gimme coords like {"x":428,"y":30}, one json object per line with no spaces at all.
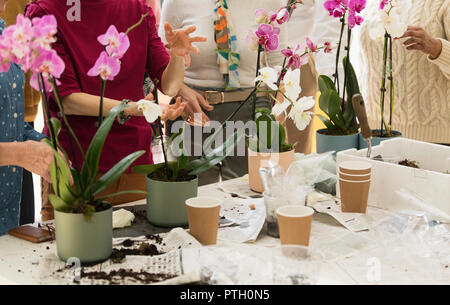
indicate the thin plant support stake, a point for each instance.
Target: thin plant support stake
{"x":383,"y":81}
{"x":391,"y":80}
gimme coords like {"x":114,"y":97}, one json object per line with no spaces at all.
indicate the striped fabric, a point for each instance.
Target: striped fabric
{"x":228,"y":57}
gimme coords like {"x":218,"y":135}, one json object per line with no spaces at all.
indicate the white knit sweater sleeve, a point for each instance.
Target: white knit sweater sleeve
{"x":443,"y":61}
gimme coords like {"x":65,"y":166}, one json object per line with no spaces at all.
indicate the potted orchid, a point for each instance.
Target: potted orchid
{"x":171,"y":183}
{"x":83,"y":221}
{"x":282,"y":84}
{"x":341,"y":130}
{"x":388,"y":24}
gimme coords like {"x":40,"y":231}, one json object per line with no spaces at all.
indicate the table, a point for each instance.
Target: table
{"x":350,"y":258}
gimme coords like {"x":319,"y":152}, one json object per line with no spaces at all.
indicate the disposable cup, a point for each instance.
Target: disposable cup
{"x":354,"y":177}
{"x":354,"y":195}
{"x":294,"y":222}
{"x":203,"y":217}
{"x":355,"y":167}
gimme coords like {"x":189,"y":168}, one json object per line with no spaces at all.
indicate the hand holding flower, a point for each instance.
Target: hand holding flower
{"x":180,"y":41}
{"x":419,"y":40}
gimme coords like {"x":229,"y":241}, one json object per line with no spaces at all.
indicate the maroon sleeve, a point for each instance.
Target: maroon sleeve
{"x":69,"y":82}
{"x":158,"y":57}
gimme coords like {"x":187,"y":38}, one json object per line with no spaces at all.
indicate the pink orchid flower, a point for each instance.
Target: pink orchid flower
{"x":282,"y":16}
{"x":336,"y":8}
{"x":295,"y":58}
{"x":6,"y":56}
{"x":328,"y":47}
{"x":106,"y":67}
{"x":354,"y":20}
{"x":44,"y":31}
{"x":116,"y":43}
{"x":49,"y":64}
{"x":357,"y":5}
{"x":311,"y":46}
{"x":383,"y":4}
{"x":268,"y":36}
{"x":47,"y":84}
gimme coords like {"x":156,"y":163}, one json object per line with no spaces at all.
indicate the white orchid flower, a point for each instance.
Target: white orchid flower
{"x":279,"y":108}
{"x":291,"y":83}
{"x":395,"y":23}
{"x":268,"y":76}
{"x":299,"y":112}
{"x":151,"y":110}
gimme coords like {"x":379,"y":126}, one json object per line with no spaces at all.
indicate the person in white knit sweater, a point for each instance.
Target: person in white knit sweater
{"x":421,"y":70}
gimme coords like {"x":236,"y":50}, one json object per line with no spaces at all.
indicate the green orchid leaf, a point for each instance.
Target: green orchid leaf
{"x":326,"y":83}
{"x":264,"y":120}
{"x":330,"y":126}
{"x":211,"y":160}
{"x":282,"y":135}
{"x":352,"y":88}
{"x":147,"y":169}
{"x":89,"y":170}
{"x":57,"y":203}
{"x":121,"y":193}
{"x":114,"y":173}
{"x":330,"y":103}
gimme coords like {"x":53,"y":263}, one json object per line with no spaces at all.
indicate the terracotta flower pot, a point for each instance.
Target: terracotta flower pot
{"x":257,"y":160}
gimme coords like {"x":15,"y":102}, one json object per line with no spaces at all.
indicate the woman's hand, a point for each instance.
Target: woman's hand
{"x":173,"y":111}
{"x":419,"y":40}
{"x":36,"y":157}
{"x":180,"y":43}
{"x":195,"y":102}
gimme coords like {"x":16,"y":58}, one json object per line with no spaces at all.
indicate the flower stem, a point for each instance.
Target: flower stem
{"x":383,"y":81}
{"x":72,"y":137}
{"x":336,"y":73}
{"x":100,"y":111}
{"x":391,"y":79}
{"x":137,"y":24}
{"x":160,"y":127}
{"x":258,"y":66}
{"x":346,"y":72}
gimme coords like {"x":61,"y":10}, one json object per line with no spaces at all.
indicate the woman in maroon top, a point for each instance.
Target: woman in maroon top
{"x":78,"y":46}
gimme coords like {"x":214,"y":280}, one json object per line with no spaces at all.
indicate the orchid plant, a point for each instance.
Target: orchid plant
{"x":182,"y":169}
{"x":28,"y":44}
{"x":389,"y":23}
{"x":283,"y":83}
{"x":334,"y":101}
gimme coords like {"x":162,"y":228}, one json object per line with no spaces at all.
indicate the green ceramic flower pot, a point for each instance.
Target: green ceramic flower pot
{"x":327,"y":142}
{"x":377,"y":140}
{"x":88,"y":239}
{"x":166,"y":201}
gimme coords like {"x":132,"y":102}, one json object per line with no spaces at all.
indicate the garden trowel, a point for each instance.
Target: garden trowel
{"x":360,"y":110}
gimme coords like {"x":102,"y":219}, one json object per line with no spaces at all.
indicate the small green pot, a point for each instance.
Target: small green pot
{"x":327,"y":143}
{"x":88,"y":239}
{"x":166,"y":201}
{"x":377,"y":140}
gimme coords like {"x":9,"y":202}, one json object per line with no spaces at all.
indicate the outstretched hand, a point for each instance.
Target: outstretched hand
{"x":173,"y":111}
{"x":180,"y":42}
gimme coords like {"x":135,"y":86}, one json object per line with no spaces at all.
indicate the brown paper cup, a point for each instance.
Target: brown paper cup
{"x":294,"y":222}
{"x":203,"y":217}
{"x":355,"y":177}
{"x":355,"y":167}
{"x":354,"y":195}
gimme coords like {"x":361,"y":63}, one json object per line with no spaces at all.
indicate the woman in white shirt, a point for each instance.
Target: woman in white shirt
{"x":205,"y":84}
